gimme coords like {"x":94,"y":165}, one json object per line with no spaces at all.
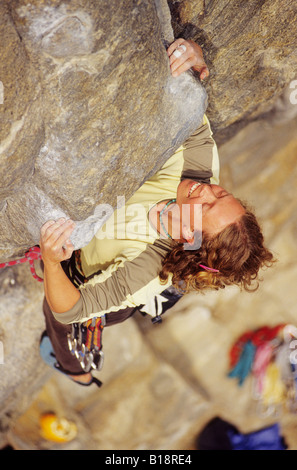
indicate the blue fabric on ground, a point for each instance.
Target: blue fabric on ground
{"x":265,"y":439}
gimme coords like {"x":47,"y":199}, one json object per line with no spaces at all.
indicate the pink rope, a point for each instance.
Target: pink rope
{"x":31,"y":255}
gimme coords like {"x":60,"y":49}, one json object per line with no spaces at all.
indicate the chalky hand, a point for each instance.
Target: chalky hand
{"x":55,"y":244}
{"x":184,"y":55}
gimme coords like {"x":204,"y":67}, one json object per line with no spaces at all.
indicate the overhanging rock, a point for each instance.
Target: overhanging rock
{"x":90,"y":111}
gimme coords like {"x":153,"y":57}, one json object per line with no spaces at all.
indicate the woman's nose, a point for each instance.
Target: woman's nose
{"x":208,"y":194}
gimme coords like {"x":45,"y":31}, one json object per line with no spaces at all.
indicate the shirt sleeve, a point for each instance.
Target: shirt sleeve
{"x":133,"y":282}
{"x":201,"y":160}
{"x":131,"y":285}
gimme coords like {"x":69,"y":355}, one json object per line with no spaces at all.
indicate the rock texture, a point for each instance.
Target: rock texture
{"x":251,"y":52}
{"x":90,"y":111}
{"x":21,"y":326}
{"x":162,"y":383}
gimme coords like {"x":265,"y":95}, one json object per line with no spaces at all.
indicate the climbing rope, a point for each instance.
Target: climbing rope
{"x":31,"y":255}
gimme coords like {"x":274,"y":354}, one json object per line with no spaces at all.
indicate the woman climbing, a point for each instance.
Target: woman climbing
{"x":190,"y":234}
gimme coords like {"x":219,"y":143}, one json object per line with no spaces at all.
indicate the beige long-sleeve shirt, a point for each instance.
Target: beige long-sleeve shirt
{"x":127,"y":250}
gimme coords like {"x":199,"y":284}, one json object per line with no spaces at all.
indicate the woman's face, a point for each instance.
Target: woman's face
{"x":218,"y":207}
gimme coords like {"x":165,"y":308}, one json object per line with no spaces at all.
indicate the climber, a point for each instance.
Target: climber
{"x":120,"y":276}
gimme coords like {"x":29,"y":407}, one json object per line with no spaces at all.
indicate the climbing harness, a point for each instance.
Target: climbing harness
{"x":31,"y":255}
{"x":268,"y":354}
{"x":85,"y":339}
{"x":85,"y":343}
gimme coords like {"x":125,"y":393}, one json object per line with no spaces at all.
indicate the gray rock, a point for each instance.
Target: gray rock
{"x":250,"y":50}
{"x":91,"y":112}
{"x":22,"y":371}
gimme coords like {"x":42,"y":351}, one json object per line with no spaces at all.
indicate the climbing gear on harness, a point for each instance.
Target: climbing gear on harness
{"x":85,"y":339}
{"x":31,"y":255}
{"x":85,"y":343}
{"x":73,"y":270}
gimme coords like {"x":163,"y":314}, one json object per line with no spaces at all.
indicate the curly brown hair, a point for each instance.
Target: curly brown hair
{"x":238,"y":252}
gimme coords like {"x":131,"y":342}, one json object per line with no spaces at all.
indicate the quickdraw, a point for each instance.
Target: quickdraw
{"x":31,"y":255}
{"x":85,"y":343}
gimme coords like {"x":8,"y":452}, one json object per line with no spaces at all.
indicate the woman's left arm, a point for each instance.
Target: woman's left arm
{"x":56,"y":247}
{"x":185,"y":54}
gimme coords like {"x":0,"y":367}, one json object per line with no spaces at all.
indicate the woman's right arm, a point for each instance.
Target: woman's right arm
{"x":55,"y":247}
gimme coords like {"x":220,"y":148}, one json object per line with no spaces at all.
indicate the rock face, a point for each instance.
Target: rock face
{"x":151,"y":371}
{"x":251,"y":52}
{"x":22,"y":371}
{"x":89,"y":111}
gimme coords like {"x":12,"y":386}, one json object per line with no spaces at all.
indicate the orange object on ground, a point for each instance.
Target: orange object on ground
{"x":57,"y":429}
